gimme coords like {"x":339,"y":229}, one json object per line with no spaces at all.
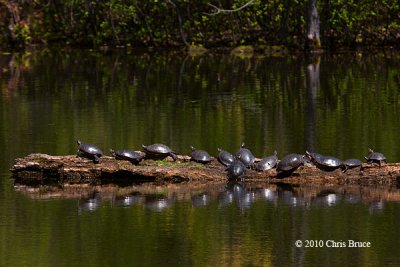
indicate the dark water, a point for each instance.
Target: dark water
{"x":334,"y":104}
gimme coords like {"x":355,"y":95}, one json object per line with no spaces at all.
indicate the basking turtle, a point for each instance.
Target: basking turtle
{"x":225,"y":158}
{"x":158,"y":151}
{"x":328,"y":163}
{"x":289,"y":164}
{"x":350,"y":164}
{"x":267,"y":163}
{"x":129,"y":155}
{"x":325,"y":163}
{"x":236,"y":169}
{"x":375,"y":157}
{"x":245,"y":155}
{"x":200,"y":156}
{"x":312,"y":155}
{"x":89,"y":151}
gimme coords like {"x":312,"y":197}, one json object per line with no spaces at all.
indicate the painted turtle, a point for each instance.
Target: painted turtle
{"x":129,"y":155}
{"x":350,"y":164}
{"x":289,"y":164}
{"x":225,"y":158}
{"x":312,"y":155}
{"x":89,"y":151}
{"x":200,"y":156}
{"x":236,"y":169}
{"x":245,"y":155}
{"x":267,"y":163}
{"x":159,"y":151}
{"x":375,"y":157}
{"x":325,"y":163}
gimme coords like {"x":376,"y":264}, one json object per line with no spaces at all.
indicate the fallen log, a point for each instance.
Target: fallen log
{"x":41,"y":169}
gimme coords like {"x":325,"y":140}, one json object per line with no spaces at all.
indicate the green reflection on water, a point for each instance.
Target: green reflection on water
{"x":123,"y":100}
{"x":54,"y":233}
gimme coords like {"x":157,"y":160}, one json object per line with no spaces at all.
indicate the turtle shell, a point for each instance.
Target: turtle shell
{"x":328,"y":163}
{"x":236,"y":170}
{"x":350,"y":164}
{"x":375,"y":157}
{"x":129,"y":155}
{"x":225,"y":158}
{"x":267,"y":163}
{"x":200,"y":156}
{"x":89,"y":151}
{"x":159,"y":150}
{"x":245,"y":155}
{"x":289,"y":164}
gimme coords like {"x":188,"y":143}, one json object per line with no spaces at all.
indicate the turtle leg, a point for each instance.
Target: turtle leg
{"x":345,"y":168}
{"x":96,"y":159}
{"x":173,"y":155}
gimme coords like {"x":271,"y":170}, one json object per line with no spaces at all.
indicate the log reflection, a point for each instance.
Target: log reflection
{"x":240,"y":194}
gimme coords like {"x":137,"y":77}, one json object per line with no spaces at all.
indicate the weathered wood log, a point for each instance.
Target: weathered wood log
{"x":39,"y":169}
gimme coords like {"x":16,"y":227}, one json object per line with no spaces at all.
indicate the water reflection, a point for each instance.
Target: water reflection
{"x":201,"y":200}
{"x":376,"y":206}
{"x":129,"y":200}
{"x":159,"y":203}
{"x":89,"y":204}
{"x":239,"y":194}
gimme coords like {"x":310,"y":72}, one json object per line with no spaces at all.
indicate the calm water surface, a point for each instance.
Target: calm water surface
{"x":334,"y":104}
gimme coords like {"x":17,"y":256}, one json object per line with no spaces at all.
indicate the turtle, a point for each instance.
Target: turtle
{"x":375,"y":157}
{"x":225,"y":158}
{"x":200,"y":156}
{"x":312,"y":155}
{"x":159,"y":151}
{"x":129,"y":155}
{"x":328,"y":163}
{"x":325,"y":163}
{"x":267,"y":163}
{"x":89,"y":151}
{"x":245,"y":155}
{"x":289,"y":164}
{"x":350,"y":164}
{"x":236,"y":169}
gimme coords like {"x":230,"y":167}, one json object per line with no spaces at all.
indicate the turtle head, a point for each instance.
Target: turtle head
{"x":219,"y":149}
{"x":370,"y":150}
{"x":144,"y":146}
{"x":308,"y":155}
{"x":192,"y":148}
{"x":112,"y":152}
{"x":78,"y":142}
{"x":242,"y":145}
{"x":275,"y":153}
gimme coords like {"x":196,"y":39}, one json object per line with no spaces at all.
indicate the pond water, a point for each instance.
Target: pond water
{"x":337,"y":104}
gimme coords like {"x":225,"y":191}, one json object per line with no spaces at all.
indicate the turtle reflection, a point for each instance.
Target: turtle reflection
{"x":201,"y":200}
{"x":129,"y":200}
{"x":158,"y":203}
{"x":89,"y":204}
{"x":236,"y":192}
{"x":243,"y":195}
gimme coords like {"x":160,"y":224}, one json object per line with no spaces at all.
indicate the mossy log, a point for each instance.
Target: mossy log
{"x":41,"y":169}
